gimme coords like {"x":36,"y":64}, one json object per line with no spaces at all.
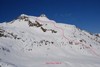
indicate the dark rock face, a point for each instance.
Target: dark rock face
{"x":1,"y":32}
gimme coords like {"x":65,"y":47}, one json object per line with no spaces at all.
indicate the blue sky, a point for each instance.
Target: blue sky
{"x":85,"y":14}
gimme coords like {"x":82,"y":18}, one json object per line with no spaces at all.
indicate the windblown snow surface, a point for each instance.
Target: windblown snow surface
{"x":30,"y":41}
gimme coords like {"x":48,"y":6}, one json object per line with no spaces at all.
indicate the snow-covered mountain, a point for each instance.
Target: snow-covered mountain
{"x":30,"y":41}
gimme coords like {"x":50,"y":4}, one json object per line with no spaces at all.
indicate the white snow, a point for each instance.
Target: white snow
{"x":58,"y":45}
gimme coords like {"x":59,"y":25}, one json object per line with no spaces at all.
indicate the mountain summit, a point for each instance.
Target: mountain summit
{"x":42,"y":15}
{"x":31,"y":41}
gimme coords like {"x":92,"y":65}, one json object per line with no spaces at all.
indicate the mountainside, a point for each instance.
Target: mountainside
{"x":30,"y":41}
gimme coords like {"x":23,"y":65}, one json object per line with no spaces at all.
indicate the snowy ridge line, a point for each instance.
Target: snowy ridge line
{"x":92,"y":49}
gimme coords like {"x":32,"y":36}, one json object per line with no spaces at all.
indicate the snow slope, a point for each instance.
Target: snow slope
{"x":31,"y":41}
